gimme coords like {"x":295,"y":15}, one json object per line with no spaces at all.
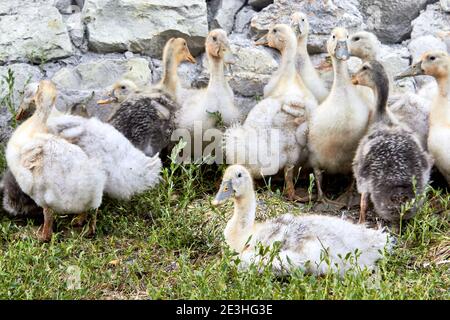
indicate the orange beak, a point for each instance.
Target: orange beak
{"x":263,"y":41}
{"x":355,"y":80}
{"x":190,"y":58}
{"x":107,"y":101}
{"x":21,"y":112}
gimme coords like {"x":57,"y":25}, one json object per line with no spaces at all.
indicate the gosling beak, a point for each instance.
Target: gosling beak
{"x":414,"y":70}
{"x":342,"y":50}
{"x":355,"y":80}
{"x":107,"y":101}
{"x":263,"y":41}
{"x":111,"y":99}
{"x":228,"y":57}
{"x":20,"y":115}
{"x":190,"y":58}
{"x":225,"y":192}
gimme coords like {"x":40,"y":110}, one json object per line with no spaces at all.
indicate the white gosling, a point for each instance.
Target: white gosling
{"x":57,"y":175}
{"x":129,"y":170}
{"x":437,"y":65}
{"x":273,"y":137}
{"x":304,"y":240}
{"x":337,"y":125}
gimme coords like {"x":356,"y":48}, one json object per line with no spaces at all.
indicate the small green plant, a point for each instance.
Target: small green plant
{"x":2,"y":159}
{"x":217,"y":116}
{"x":37,"y":57}
{"x":8,"y":99}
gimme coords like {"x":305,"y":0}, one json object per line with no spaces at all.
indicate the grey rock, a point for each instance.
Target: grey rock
{"x":76,"y":30}
{"x":253,"y":69}
{"x":422,"y":44}
{"x":32,"y":32}
{"x":224,"y":14}
{"x":324,"y":16}
{"x":23,"y":74}
{"x":245,"y":104}
{"x":445,"y":5}
{"x":66,"y":6}
{"x":391,"y":20}
{"x":102,"y":73}
{"x":243,"y":19}
{"x":143,"y":26}
{"x":259,"y":4}
{"x":431,"y":21}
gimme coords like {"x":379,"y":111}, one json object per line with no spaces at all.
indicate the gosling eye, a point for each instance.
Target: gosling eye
{"x":356,"y":39}
{"x":225,"y":189}
{"x":334,"y":37}
{"x":123,"y":87}
{"x":239,"y":175}
{"x":274,"y":30}
{"x":365,"y":68}
{"x":432,"y":58}
{"x":214,"y":38}
{"x":303,"y":19}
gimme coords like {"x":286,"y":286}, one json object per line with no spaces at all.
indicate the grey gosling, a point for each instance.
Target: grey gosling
{"x":390,"y":165}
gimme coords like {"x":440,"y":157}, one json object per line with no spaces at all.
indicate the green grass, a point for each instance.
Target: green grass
{"x":168,"y":244}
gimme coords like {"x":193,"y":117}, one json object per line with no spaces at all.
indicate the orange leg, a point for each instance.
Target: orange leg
{"x":364,"y":205}
{"x":47,"y":229}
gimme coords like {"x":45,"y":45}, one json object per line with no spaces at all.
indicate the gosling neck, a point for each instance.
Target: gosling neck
{"x":169,"y":79}
{"x":286,"y":73}
{"x":287,"y":66}
{"x":240,"y":226}
{"x":216,"y":72}
{"x":381,"y":92}
{"x":444,"y":85}
{"x":440,"y":110}
{"x":341,"y":75}
{"x":302,"y":53}
{"x":42,"y":113}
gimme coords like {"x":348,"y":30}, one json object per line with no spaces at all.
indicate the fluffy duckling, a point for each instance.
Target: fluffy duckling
{"x":390,"y":166}
{"x":15,"y":202}
{"x":218,"y":96}
{"x":410,"y":109}
{"x":437,"y":65}
{"x":273,"y":137}
{"x":145,"y":118}
{"x":337,"y":125}
{"x":129,"y":171}
{"x":309,"y":74}
{"x":303,"y":239}
{"x":56,"y":174}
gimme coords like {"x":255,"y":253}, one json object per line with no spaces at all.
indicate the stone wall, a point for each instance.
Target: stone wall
{"x":86,"y":45}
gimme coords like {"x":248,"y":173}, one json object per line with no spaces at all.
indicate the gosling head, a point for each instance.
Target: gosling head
{"x":364,"y":45}
{"x":218,"y":46}
{"x":278,"y":37}
{"x":432,"y":63}
{"x":28,"y":104}
{"x":371,"y":74}
{"x":177,"y":49}
{"x":337,"y":44}
{"x":44,"y":99}
{"x":119,"y":92}
{"x":236,"y":183}
{"x":300,"y":24}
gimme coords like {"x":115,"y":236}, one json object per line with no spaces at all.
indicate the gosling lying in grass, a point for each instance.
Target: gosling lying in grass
{"x":304,"y":240}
